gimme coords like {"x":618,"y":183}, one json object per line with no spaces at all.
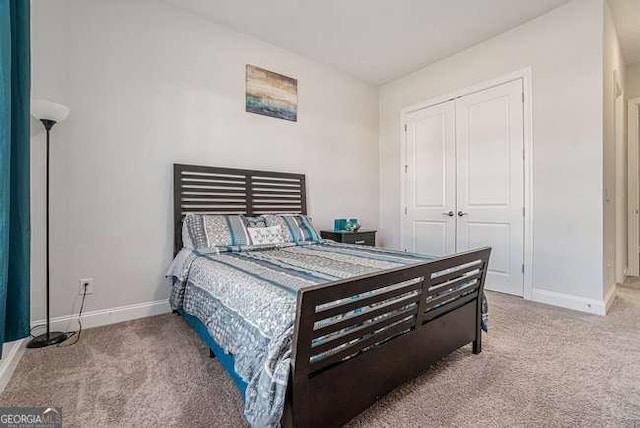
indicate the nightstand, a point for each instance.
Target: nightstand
{"x":361,"y":237}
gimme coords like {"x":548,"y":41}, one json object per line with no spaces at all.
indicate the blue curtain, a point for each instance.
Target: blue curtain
{"x":15,"y":228}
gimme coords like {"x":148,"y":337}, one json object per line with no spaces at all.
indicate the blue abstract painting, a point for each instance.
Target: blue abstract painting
{"x":271,"y":94}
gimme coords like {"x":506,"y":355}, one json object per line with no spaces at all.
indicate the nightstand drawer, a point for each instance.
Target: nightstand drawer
{"x":363,"y":238}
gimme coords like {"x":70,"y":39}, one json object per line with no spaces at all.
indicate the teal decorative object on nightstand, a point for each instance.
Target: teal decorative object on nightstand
{"x":352,"y":225}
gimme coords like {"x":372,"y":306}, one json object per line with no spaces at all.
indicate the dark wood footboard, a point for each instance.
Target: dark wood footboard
{"x":357,"y":339}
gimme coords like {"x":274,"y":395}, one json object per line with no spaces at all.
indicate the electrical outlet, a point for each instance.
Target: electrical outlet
{"x":88,"y":283}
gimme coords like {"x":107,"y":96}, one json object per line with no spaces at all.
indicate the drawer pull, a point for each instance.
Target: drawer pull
{"x":360,"y":242}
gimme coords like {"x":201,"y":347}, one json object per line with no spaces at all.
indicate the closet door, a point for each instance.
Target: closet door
{"x":490,"y":181}
{"x":429,"y":224}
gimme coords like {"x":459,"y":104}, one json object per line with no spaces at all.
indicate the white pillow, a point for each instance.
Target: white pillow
{"x":271,"y":235}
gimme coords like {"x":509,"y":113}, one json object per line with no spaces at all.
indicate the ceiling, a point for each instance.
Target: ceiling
{"x":374,"y":40}
{"x":626,"y":13}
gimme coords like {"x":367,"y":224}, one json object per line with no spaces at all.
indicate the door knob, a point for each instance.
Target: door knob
{"x":460,"y":214}
{"x":450,"y":214}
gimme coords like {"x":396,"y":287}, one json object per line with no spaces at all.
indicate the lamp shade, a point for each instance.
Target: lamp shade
{"x":48,"y":110}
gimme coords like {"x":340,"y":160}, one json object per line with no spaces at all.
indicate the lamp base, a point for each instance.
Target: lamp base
{"x":45,"y":339}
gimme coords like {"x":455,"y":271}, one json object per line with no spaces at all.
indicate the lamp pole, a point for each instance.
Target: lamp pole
{"x":48,"y":124}
{"x":48,"y":338}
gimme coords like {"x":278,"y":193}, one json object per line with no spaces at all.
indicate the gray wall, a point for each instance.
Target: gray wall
{"x":564,"y":50}
{"x":149,"y":85}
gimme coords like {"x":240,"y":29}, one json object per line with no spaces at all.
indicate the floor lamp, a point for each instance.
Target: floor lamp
{"x":49,"y":113}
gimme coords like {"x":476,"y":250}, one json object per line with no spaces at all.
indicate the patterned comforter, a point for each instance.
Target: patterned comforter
{"x":247,"y":301}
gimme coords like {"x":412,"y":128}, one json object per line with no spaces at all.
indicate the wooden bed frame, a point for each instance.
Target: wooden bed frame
{"x":419,"y":313}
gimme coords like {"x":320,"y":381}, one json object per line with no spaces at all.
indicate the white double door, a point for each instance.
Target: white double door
{"x":464,"y":181}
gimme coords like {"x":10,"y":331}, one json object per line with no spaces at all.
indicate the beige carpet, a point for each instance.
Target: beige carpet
{"x":541,"y":366}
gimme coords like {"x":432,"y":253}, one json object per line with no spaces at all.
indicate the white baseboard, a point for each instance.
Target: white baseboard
{"x":610,"y":298}
{"x":569,"y":301}
{"x":108,"y":316}
{"x":11,"y":354}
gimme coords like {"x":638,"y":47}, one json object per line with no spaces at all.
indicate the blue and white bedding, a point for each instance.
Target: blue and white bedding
{"x":247,"y":301}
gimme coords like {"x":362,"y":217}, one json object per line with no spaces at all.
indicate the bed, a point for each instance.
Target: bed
{"x":314,"y":332}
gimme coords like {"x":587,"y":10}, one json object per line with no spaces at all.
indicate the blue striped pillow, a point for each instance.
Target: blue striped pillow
{"x":296,"y":227}
{"x":214,"y":233}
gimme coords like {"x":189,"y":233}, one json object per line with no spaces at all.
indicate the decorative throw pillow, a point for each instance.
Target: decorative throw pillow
{"x":257,"y":221}
{"x":261,"y":236}
{"x":277,"y":220}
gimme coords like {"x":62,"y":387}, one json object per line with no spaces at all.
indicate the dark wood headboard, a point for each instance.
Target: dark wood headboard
{"x":213,"y":190}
